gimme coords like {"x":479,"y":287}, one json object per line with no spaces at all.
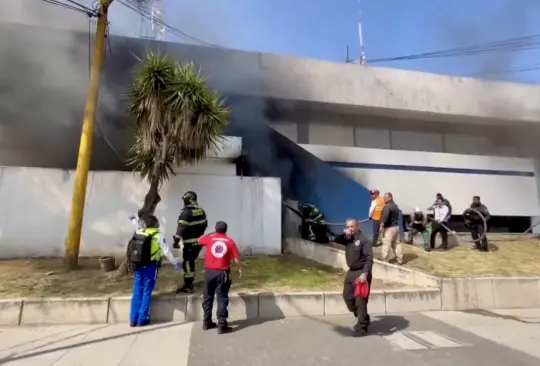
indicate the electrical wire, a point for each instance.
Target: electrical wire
{"x":134,"y":6}
{"x":518,"y":69}
{"x":80,"y":8}
{"x":524,"y":43}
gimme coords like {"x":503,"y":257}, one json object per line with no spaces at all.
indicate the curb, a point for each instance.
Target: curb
{"x":104,"y":310}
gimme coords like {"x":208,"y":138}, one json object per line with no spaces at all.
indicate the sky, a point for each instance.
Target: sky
{"x":323,"y":29}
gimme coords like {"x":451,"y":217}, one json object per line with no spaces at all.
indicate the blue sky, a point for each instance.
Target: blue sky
{"x":322,"y":29}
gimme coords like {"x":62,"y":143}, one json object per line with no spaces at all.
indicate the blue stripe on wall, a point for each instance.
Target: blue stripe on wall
{"x":416,"y":168}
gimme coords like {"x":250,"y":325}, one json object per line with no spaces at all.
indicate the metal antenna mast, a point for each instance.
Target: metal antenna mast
{"x":362,"y":60}
{"x":152,"y":19}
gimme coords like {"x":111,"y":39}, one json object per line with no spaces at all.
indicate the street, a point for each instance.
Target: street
{"x":497,"y":338}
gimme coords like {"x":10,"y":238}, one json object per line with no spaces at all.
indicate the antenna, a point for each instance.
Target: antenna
{"x":362,"y":60}
{"x":152,"y":19}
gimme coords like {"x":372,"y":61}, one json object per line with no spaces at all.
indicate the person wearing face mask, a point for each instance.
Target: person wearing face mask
{"x":475,"y":224}
{"x":359,"y":258}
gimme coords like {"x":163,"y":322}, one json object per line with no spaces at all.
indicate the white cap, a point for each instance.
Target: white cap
{"x":417,"y":209}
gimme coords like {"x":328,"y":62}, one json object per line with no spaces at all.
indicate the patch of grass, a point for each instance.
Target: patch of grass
{"x":505,"y":259}
{"x":47,"y":278}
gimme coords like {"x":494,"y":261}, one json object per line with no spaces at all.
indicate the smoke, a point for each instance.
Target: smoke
{"x":496,"y":22}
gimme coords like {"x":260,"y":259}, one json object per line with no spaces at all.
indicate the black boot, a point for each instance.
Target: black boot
{"x":209,"y":325}
{"x":187,"y":287}
{"x":223,"y":328}
{"x":360,"y":331}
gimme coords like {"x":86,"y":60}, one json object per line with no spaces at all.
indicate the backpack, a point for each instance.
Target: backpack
{"x":139,"y":251}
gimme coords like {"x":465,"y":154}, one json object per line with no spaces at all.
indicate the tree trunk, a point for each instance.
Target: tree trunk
{"x":151,"y":200}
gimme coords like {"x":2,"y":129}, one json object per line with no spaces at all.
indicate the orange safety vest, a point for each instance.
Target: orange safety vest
{"x":379,"y":205}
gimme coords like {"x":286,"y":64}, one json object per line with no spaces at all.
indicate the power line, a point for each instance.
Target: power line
{"x":509,"y":45}
{"x":518,"y":69}
{"x":75,"y":6}
{"x":132,"y":5}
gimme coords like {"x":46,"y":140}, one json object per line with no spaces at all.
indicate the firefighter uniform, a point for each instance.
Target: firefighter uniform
{"x":314,"y":225}
{"x":475,"y":224}
{"x":192,"y":224}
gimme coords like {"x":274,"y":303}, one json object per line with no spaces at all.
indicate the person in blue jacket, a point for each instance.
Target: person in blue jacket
{"x":146,"y":250}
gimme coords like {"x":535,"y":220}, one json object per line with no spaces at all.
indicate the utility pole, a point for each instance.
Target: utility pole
{"x":72,"y":244}
{"x":362,"y":59}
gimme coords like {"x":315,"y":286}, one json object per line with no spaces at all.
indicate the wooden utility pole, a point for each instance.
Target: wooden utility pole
{"x":71,"y":255}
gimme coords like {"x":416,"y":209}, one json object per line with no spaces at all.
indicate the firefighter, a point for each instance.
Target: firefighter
{"x":418,"y":224}
{"x":375,"y":210}
{"x":191,"y":226}
{"x":314,"y":225}
{"x":476,"y":225}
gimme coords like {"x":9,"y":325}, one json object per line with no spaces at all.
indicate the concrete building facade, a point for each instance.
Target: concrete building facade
{"x":330,"y":131}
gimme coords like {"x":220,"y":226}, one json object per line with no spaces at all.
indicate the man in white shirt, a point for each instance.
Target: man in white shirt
{"x":440,"y":218}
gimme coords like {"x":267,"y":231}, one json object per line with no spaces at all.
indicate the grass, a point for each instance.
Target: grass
{"x":505,"y":259}
{"x":46,"y":278}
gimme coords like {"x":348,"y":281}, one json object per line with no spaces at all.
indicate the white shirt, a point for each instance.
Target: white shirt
{"x":440,"y":213}
{"x":372,"y":207}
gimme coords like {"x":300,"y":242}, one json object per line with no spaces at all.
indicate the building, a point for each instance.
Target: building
{"x":330,"y":131}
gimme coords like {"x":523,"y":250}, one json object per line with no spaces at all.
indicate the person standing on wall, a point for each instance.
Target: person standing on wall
{"x":475,"y":224}
{"x":375,"y":211}
{"x":440,"y":224}
{"x":145,"y":251}
{"x":389,"y":229}
{"x":192,"y":224}
{"x":220,"y":249}
{"x":359,"y":257}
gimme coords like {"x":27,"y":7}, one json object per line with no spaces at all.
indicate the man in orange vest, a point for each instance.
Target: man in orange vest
{"x":375,"y":210}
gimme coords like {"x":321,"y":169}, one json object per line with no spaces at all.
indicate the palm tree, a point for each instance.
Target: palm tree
{"x":178,"y":120}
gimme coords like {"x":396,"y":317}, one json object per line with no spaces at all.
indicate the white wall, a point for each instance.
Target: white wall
{"x":504,"y":195}
{"x":34,"y":206}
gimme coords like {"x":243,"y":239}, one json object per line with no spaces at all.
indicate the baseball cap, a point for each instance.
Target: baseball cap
{"x":374,"y":191}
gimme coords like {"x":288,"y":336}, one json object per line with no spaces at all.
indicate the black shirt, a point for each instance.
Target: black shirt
{"x":358,"y":252}
{"x":390,"y":215}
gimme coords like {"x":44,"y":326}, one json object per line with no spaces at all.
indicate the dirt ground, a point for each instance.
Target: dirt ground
{"x":46,"y":278}
{"x":505,"y":259}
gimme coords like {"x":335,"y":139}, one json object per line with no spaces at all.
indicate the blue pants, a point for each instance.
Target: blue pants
{"x":143,"y":285}
{"x":216,"y":282}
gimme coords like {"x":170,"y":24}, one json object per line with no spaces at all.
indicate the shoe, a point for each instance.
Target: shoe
{"x":143,"y":323}
{"x":427,"y":249}
{"x":132,"y":325}
{"x":359,"y":331}
{"x":209,"y":325}
{"x":222,"y":329}
{"x":184,"y":289}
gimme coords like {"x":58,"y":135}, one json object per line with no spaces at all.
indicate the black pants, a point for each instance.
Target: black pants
{"x":356,"y":305}
{"x":375,"y":227}
{"x":190,"y":252}
{"x":477,"y":230}
{"x":438,"y":228}
{"x":216,"y":282}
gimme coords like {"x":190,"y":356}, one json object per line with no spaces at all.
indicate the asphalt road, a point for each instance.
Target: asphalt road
{"x":497,"y":338}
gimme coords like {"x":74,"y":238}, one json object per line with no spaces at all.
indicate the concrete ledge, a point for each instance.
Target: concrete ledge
{"x":180,"y":307}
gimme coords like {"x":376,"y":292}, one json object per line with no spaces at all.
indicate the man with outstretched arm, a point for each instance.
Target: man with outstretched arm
{"x":359,"y":257}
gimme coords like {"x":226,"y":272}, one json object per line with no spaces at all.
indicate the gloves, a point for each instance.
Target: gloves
{"x":176,"y":242}
{"x":177,"y":267}
{"x":132,"y":217}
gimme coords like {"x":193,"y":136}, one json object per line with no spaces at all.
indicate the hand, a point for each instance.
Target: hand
{"x":363,"y":278}
{"x":240,"y":271}
{"x":132,"y":217}
{"x":347,"y":232}
{"x":177,"y":267}
{"x":176,"y":242}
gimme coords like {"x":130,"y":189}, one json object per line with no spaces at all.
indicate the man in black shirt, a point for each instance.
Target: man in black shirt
{"x":359,"y":257}
{"x":475,"y":224}
{"x":389,"y":229}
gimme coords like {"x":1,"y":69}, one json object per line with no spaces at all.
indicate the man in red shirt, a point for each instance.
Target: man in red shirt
{"x":220,"y":249}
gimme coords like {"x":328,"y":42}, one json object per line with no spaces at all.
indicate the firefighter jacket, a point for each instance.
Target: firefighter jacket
{"x":192,"y":224}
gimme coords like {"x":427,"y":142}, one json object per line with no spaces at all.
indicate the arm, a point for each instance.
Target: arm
{"x":447,"y":203}
{"x":167,"y":252}
{"x":384,"y":216}
{"x":134,"y":221}
{"x":372,"y":208}
{"x":341,"y":239}
{"x":485,"y":212}
{"x":367,"y":252}
{"x":236,"y":257}
{"x":183,"y":221}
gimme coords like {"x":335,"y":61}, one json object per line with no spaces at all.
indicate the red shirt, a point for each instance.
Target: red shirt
{"x":220,"y":249}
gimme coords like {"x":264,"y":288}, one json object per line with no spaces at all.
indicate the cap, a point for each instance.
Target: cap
{"x":374,"y":191}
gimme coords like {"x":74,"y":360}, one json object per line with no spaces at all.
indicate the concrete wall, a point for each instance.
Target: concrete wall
{"x":34,"y":206}
{"x":507,"y":185}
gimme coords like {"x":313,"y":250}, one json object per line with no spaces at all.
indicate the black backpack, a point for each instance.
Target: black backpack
{"x":139,"y":251}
